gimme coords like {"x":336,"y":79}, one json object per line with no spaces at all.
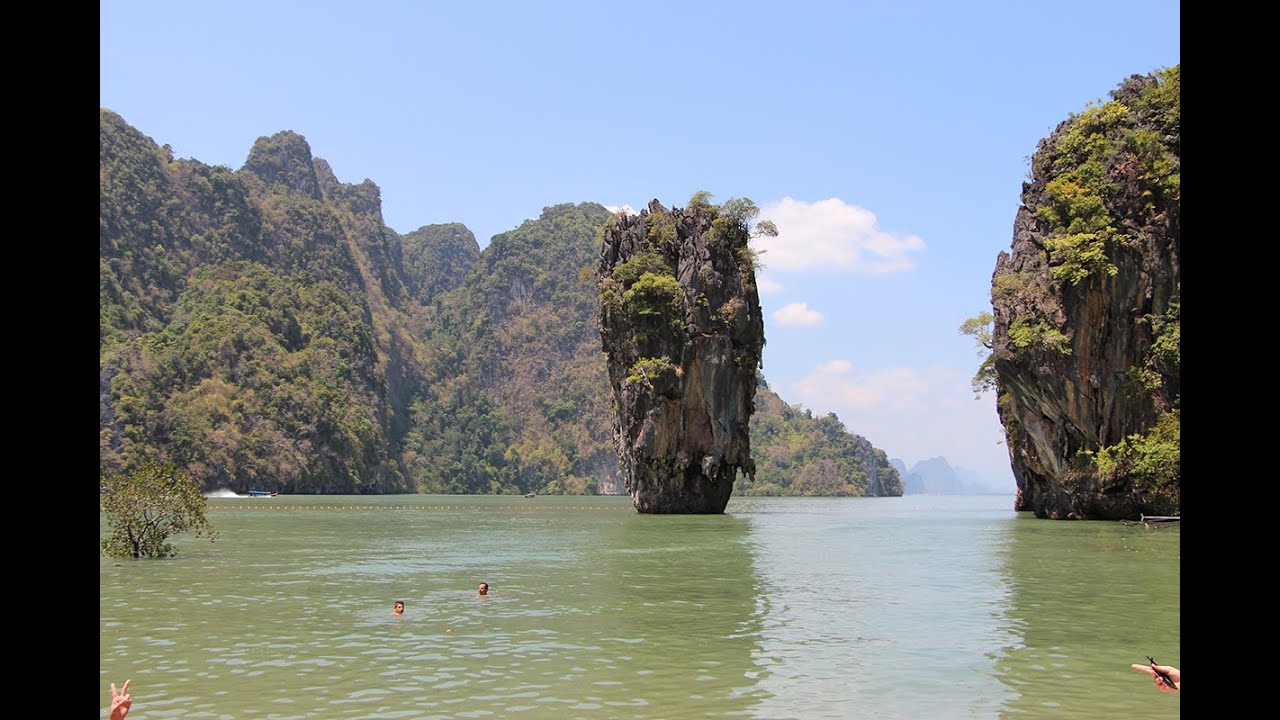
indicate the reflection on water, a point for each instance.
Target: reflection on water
{"x":1087,"y":600}
{"x":783,"y":608}
{"x":881,"y":607}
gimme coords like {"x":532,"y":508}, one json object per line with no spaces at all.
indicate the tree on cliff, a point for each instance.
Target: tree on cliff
{"x":742,"y":211}
{"x":979,"y":328}
{"x":147,"y":507}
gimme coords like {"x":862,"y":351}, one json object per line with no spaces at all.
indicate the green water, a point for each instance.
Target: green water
{"x":915,"y":607}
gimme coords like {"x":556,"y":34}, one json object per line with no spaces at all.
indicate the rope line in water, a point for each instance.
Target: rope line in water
{"x":517,"y":508}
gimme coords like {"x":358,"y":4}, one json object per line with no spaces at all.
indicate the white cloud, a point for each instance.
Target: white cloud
{"x":836,"y":367}
{"x":797,"y":314}
{"x":911,"y":413}
{"x":627,"y":209}
{"x":832,"y":234}
{"x":768,"y":285}
{"x":834,"y":384}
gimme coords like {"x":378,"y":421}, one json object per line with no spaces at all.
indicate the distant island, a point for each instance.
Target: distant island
{"x":936,"y":476}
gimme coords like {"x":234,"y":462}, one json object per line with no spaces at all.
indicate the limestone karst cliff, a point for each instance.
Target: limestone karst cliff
{"x":1086,"y":309}
{"x":682,"y":330}
{"x":263,"y":328}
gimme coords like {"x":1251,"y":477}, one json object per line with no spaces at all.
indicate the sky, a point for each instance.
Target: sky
{"x":887,"y":141}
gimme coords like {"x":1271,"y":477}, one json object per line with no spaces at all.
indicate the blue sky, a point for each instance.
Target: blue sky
{"x":888,"y":141}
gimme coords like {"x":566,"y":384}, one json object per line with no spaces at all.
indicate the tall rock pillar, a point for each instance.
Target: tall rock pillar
{"x":682,"y":329}
{"x":1087,"y":312}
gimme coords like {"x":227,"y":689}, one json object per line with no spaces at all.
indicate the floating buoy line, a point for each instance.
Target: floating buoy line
{"x":451,"y":508}
{"x":1155,"y":521}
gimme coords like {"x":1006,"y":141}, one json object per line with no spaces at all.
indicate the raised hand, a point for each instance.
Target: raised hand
{"x":120,"y":701}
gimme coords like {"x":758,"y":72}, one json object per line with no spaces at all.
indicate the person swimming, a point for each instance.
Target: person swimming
{"x":484,"y":589}
{"x":398,"y":608}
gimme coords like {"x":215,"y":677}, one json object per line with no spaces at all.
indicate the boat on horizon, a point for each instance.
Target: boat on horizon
{"x":263,"y":493}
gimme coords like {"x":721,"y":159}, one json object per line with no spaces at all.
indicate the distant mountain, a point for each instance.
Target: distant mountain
{"x":936,"y":476}
{"x":911,"y":484}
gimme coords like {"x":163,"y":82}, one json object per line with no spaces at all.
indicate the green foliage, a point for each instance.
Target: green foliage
{"x":797,"y":454}
{"x":514,"y":393}
{"x":730,"y":231}
{"x":740,"y":210}
{"x":1078,"y":256}
{"x":247,"y":331}
{"x":437,"y":259}
{"x":726,"y":314}
{"x":738,"y":224}
{"x":1164,"y":359}
{"x":645,"y":370}
{"x":1151,"y":462}
{"x":1156,"y":168}
{"x":979,"y":327}
{"x":701,"y":199}
{"x":744,"y":212}
{"x":1161,"y":104}
{"x":655,"y":303}
{"x":1078,"y":249}
{"x":1166,"y":350}
{"x":749,"y":262}
{"x":1117,"y":159}
{"x":160,"y":219}
{"x":1013,"y":286}
{"x":150,"y":505}
{"x":660,"y":231}
{"x":458,"y":445}
{"x":609,"y":290}
{"x":260,"y":380}
{"x":647,"y":262}
{"x":1028,"y":336}
{"x":653,"y":294}
{"x":733,"y":225}
{"x":1028,"y":333}
{"x":1085,"y":142}
{"x":765,"y":227}
{"x":985,"y":380}
{"x":283,"y":163}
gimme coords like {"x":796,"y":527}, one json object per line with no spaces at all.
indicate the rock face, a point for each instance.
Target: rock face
{"x":1086,"y":308}
{"x":683,"y":332}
